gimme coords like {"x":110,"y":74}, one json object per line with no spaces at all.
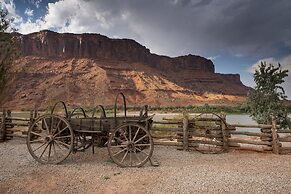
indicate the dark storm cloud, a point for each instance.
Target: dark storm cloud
{"x":260,"y":28}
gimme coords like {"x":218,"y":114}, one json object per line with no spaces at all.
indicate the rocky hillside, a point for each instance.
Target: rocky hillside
{"x":90,"y":69}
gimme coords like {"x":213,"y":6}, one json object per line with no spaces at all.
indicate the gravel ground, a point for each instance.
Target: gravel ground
{"x":179,"y":172}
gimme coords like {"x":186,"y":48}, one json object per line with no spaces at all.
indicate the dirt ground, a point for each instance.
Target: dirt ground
{"x":179,"y":172}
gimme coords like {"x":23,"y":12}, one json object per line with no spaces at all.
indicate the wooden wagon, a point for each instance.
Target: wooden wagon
{"x":52,"y":138}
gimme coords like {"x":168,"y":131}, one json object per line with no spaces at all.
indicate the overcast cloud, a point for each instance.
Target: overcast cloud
{"x":252,"y":29}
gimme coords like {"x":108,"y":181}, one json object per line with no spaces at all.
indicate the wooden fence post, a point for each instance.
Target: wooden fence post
{"x":224,"y":132}
{"x":185,"y":132}
{"x":3,"y":127}
{"x":275,"y":142}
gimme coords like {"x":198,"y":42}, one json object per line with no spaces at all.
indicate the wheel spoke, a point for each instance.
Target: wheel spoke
{"x":130,"y":158}
{"x":44,"y":151}
{"x":125,"y":136}
{"x":142,"y":151}
{"x":58,"y":145}
{"x":124,"y":156}
{"x":47,"y":128}
{"x":119,"y":152}
{"x":137,"y":156}
{"x":34,"y":133}
{"x":61,"y":131}
{"x":49,"y":154}
{"x":118,"y":139}
{"x":61,"y":137}
{"x":129,"y":128}
{"x":142,"y":145}
{"x":54,"y":148}
{"x":37,"y":140}
{"x":64,"y":144}
{"x":53,"y":133}
{"x":119,"y":146}
{"x":146,"y":135}
{"x":136,"y":134}
{"x":39,"y":147}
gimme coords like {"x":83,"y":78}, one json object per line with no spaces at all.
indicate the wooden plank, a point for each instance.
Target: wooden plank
{"x":16,"y":135}
{"x":237,"y":140}
{"x":254,"y":148}
{"x":285,"y":150}
{"x":205,"y":142}
{"x":275,"y":140}
{"x":167,"y":122}
{"x":213,"y":128}
{"x":185,"y":131}
{"x":253,"y":126}
{"x":168,"y":143}
{"x":17,"y":119}
{"x":158,"y":136}
{"x":250,"y":133}
{"x":224,"y":133}
{"x":285,"y":139}
{"x":165,"y":129}
{"x":19,"y":124}
{"x":284,"y":131}
{"x":266,"y":131}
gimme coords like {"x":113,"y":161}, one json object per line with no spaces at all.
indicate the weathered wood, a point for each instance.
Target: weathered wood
{"x":253,"y":148}
{"x":197,"y":134}
{"x":266,"y":139}
{"x":18,"y":119}
{"x":237,"y":140}
{"x":205,"y":142}
{"x":3,"y":127}
{"x":16,"y":135}
{"x":266,"y":131}
{"x":250,"y":133}
{"x":185,"y":131}
{"x":167,"y":122}
{"x":284,"y":131}
{"x":198,"y":127}
{"x":285,"y":139}
{"x":19,"y":124}
{"x":285,"y":150}
{"x":274,"y":136}
{"x":168,"y":143}
{"x":158,"y":136}
{"x":165,"y":129}
{"x":223,"y":130}
{"x":253,"y":126}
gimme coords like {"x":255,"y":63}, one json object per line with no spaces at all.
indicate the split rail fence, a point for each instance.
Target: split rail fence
{"x":207,"y":133}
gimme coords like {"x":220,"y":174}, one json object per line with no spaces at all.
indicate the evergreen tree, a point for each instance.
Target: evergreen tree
{"x":267,"y":98}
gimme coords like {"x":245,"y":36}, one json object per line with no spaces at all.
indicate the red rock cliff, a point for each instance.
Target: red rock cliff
{"x":90,"y":69}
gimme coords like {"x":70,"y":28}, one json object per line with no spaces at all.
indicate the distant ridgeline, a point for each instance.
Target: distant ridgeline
{"x":92,"y":68}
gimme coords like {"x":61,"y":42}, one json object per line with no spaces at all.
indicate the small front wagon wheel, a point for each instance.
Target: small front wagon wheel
{"x":130,"y":145}
{"x":50,"y":139}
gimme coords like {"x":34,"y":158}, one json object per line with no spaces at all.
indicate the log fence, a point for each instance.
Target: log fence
{"x":188,"y":133}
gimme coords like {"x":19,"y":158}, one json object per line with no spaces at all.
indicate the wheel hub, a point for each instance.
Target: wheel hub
{"x":49,"y":138}
{"x":131,"y":146}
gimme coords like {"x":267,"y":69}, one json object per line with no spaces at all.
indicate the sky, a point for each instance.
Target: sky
{"x":235,"y":34}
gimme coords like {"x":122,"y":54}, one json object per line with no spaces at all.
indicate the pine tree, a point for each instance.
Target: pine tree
{"x":267,"y":98}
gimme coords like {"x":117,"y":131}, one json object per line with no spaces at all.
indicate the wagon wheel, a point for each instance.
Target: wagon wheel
{"x":50,"y":139}
{"x":209,"y":140}
{"x":130,"y":145}
{"x":82,"y":141}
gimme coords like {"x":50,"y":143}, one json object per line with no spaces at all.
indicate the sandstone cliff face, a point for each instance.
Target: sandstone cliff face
{"x":90,"y":69}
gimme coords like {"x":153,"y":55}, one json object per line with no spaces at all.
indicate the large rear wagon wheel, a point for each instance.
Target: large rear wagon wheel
{"x":130,"y":145}
{"x":50,"y":139}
